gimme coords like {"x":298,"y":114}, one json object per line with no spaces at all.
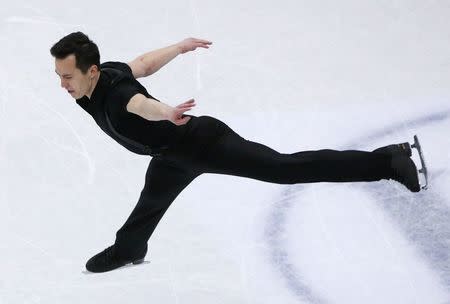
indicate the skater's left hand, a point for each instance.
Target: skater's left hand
{"x":176,"y":115}
{"x":190,"y":44}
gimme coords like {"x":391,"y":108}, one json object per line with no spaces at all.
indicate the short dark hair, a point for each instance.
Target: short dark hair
{"x":85,"y":50}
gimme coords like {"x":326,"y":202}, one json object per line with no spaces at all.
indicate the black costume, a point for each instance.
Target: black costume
{"x":203,"y":145}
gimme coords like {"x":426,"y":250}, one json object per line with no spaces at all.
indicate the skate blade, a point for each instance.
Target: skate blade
{"x":424,"y":169}
{"x":140,"y":261}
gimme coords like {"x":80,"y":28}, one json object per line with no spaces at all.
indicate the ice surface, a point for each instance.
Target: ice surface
{"x":294,"y":75}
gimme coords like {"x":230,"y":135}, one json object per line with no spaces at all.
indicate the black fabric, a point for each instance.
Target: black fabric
{"x":210,"y":146}
{"x":111,"y":95}
{"x":131,"y":144}
{"x":205,"y":145}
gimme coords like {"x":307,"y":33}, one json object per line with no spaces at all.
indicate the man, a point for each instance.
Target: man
{"x":186,"y":146}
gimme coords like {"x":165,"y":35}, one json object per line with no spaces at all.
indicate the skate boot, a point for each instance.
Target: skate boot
{"x":403,"y":148}
{"x":404,"y":171}
{"x":109,"y":260}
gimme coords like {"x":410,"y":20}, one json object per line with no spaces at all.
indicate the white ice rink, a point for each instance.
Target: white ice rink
{"x":294,"y":75}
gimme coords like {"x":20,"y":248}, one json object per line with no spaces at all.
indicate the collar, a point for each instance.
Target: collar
{"x":99,"y":91}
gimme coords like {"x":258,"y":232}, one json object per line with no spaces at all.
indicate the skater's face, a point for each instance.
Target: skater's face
{"x":73,"y":80}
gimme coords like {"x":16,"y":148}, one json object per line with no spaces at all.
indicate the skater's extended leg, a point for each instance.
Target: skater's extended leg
{"x":235,"y":155}
{"x":213,"y":147}
{"x":163,"y":183}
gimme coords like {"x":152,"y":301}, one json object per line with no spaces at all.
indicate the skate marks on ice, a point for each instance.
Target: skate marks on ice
{"x":35,"y":16}
{"x":423,"y":121}
{"x":81,"y":151}
{"x":193,"y":8}
{"x":424,"y":220}
{"x":36,"y":20}
{"x":426,"y":224}
{"x":275,"y":235}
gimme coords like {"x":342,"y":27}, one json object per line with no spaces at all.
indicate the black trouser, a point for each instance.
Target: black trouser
{"x":210,"y":146}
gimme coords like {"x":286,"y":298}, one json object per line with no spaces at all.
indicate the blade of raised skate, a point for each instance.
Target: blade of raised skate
{"x":424,"y":169}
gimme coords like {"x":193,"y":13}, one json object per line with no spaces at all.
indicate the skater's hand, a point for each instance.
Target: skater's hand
{"x":190,"y":44}
{"x":176,"y":114}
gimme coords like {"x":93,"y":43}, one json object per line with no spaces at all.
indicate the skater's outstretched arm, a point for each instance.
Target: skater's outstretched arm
{"x":151,"y":62}
{"x":152,"y":109}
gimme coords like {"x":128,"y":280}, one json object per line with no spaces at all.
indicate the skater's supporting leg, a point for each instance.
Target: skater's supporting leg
{"x":235,"y":155}
{"x":163,"y":183}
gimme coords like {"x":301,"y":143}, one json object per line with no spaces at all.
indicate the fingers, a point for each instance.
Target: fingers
{"x":188,"y":104}
{"x":180,"y":109}
{"x":182,"y":121}
{"x":204,"y":44}
{"x":195,"y":43}
{"x":202,"y":41}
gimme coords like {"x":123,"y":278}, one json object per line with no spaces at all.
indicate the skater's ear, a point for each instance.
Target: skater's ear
{"x":93,"y":71}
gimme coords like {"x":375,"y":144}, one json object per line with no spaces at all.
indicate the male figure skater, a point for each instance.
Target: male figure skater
{"x":185,"y":146}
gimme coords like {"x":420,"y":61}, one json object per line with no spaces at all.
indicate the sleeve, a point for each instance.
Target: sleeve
{"x":125,"y":90}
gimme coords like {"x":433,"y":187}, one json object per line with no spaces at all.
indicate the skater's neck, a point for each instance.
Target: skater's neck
{"x":93,"y":85}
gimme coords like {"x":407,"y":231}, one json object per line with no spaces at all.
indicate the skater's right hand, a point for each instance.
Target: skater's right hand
{"x":176,"y":114}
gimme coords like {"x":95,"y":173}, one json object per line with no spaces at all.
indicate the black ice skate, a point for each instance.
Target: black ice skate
{"x":403,"y":167}
{"x":108,"y":260}
{"x":405,"y":172}
{"x":403,"y":148}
